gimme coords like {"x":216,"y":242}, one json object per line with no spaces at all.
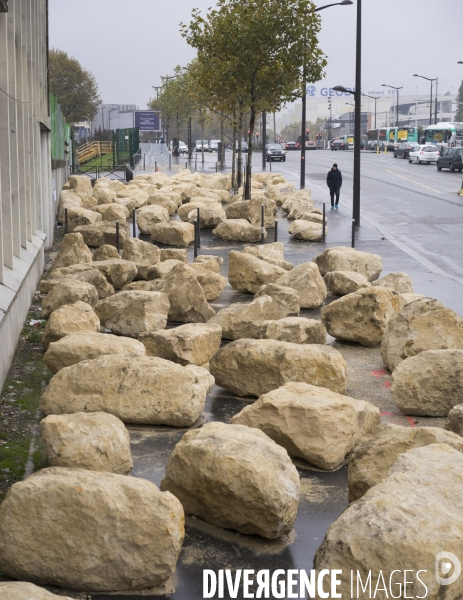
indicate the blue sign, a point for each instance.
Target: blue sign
{"x":311,"y":90}
{"x":147,"y":120}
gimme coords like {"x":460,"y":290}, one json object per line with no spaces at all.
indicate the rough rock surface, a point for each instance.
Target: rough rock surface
{"x":70,"y":318}
{"x":118,"y":272}
{"x":185,"y":210}
{"x":245,"y":320}
{"x":207,"y":258}
{"x":92,"y":276}
{"x":238,"y":230}
{"x":103,"y":233}
{"x":205,"y":266}
{"x":136,"y":389}
{"x":234,"y":477}
{"x":105,"y":252}
{"x":407,"y":298}
{"x":67,"y":199}
{"x":142,"y":254}
{"x":210,"y":216}
{"x":306,"y":280}
{"x":174,"y":254}
{"x":103,"y":195}
{"x":376,"y":452}
{"x":73,"y":251}
{"x":77,"y":347}
{"x":254,"y":367}
{"x":300,"y":209}
{"x":297,"y":330}
{"x":188,"y":303}
{"x":164,"y":200}
{"x":398,"y":282}
{"x":212,"y":284}
{"x":96,"y":531}
{"x":429,"y":384}
{"x":311,"y":422}
{"x":149,"y":216}
{"x":192,"y":343}
{"x":272,"y":253}
{"x":280,"y":191}
{"x":251,"y":210}
{"x":247,"y":273}
{"x":96,"y":441}
{"x":341,"y":283}
{"x":306,"y":230}
{"x":174,"y":233}
{"x":69,"y":291}
{"x":362,"y":316}
{"x":21,"y":590}
{"x":130,"y":313}
{"x":455,"y":420}
{"x":407,"y":520}
{"x":424,"y":324}
{"x":342,"y":258}
{"x":114,"y":212}
{"x":288,"y":297}
{"x":162,"y":269}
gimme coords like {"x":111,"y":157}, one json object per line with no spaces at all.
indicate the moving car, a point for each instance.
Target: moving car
{"x":274,"y":152}
{"x":310,"y":145}
{"x":200,"y":144}
{"x":182,"y":148}
{"x":338,"y":144}
{"x":403,"y":150}
{"x":214,"y":145}
{"x":424,"y":154}
{"x":451,"y":158}
{"x":291,"y":146}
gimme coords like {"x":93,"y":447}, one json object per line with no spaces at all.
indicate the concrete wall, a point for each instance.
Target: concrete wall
{"x":27,"y":205}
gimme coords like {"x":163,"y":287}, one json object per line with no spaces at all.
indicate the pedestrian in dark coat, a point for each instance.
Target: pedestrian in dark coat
{"x":334,"y":182}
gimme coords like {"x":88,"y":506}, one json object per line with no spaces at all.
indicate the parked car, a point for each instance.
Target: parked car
{"x":182,"y":148}
{"x":244,"y":146}
{"x":451,"y":158}
{"x":338,"y":144}
{"x":291,"y":146}
{"x":274,"y":152}
{"x":423,"y":154}
{"x":214,"y":145}
{"x":310,"y":145}
{"x":403,"y":150}
{"x":200,"y":144}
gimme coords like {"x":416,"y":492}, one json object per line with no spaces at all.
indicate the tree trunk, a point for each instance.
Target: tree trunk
{"x":222,"y":154}
{"x":239,"y":179}
{"x":234,"y":182}
{"x":202,"y":144}
{"x":247,"y":183}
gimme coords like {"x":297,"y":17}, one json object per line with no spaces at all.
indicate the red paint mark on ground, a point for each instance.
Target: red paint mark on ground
{"x":379,"y":373}
{"x":387,"y":413}
{"x":387,"y":384}
{"x":411,"y":421}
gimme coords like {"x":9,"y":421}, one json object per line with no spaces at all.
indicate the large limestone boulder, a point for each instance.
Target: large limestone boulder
{"x":151,"y":215}
{"x":76,"y":347}
{"x":238,"y":230}
{"x":300,"y":209}
{"x":117,"y":271}
{"x":245,"y":320}
{"x":280,"y":191}
{"x":103,"y":194}
{"x":454,"y":420}
{"x":97,"y":234}
{"x":207,"y":265}
{"x":185,"y":210}
{"x":210,"y":216}
{"x":399,"y":282}
{"x":96,"y":441}
{"x":424,"y":324}
{"x":306,"y":280}
{"x":362,"y":316}
{"x":130,"y":313}
{"x":164,"y":200}
{"x":136,"y":389}
{"x":212,"y":284}
{"x":174,"y":233}
{"x":407,"y":298}
{"x":271,"y":253}
{"x":162,"y":269}
{"x":81,"y":183}
{"x":138,"y":197}
{"x":376,"y":452}
{"x":297,"y":330}
{"x":306,"y":230}
{"x":174,"y":254}
{"x":401,"y":524}
{"x":287,"y":297}
{"x":142,"y":254}
{"x":207,"y":258}
{"x":68,"y":291}
{"x":105,"y":252}
{"x":234,"y":477}
{"x":114,"y":212}
{"x":73,"y":251}
{"x":311,"y":422}
{"x":254,"y":367}
{"x":247,"y":273}
{"x":429,"y":384}
{"x":21,"y":590}
{"x":188,"y":303}
{"x":218,"y":182}
{"x":96,"y":531}
{"x":67,"y":199}
{"x":341,"y":283}
{"x":70,"y":318}
{"x":192,"y":343}
{"x":341,"y":258}
{"x":92,"y":276}
{"x":251,"y":210}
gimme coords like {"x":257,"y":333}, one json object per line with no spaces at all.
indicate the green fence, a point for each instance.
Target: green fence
{"x":126,"y":145}
{"x":60,"y":131}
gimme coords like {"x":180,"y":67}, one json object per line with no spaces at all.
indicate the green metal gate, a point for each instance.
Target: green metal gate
{"x":126,"y":145}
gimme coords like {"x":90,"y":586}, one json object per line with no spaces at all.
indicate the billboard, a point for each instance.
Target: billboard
{"x":147,"y":120}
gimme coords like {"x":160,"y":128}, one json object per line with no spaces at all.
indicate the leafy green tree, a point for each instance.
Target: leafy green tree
{"x":257,"y":50}
{"x":74,"y":87}
{"x":459,"y":113}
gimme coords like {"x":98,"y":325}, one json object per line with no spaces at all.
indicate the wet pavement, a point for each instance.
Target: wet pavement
{"x":323,"y":494}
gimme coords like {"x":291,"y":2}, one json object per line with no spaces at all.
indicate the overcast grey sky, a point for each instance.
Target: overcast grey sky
{"x":129,"y":45}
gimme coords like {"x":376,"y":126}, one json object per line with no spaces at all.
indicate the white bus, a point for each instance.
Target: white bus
{"x":444,"y":135}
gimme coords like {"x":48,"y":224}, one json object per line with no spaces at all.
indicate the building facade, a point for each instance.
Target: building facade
{"x":31,"y":175}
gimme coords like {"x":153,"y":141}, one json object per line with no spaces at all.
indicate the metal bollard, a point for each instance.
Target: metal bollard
{"x":195,"y":247}
{"x":186,"y":165}
{"x":198,"y":219}
{"x":144,"y":155}
{"x":196,"y":161}
{"x":65,"y":221}
{"x":323,"y":226}
{"x":134,"y":226}
{"x":155,"y":166}
{"x":117,"y":236}
{"x":216,"y":164}
{"x":262,"y":221}
{"x":270,"y":163}
{"x":353,"y":233}
{"x":170,"y":161}
{"x":276,"y":231}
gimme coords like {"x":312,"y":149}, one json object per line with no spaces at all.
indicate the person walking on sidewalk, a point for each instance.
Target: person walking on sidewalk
{"x":334,"y":182}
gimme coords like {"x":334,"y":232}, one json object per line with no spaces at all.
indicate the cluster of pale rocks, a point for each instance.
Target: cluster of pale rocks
{"x":84,"y":523}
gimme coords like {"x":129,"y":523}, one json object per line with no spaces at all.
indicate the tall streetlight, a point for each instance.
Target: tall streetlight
{"x":304,"y":97}
{"x":397,"y":89}
{"x":430,"y":104}
{"x":375,"y":98}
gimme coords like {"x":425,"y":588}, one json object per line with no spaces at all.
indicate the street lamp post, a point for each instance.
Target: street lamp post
{"x":430,"y":105}
{"x":397,"y":90}
{"x":304,"y":97}
{"x":375,"y":98}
